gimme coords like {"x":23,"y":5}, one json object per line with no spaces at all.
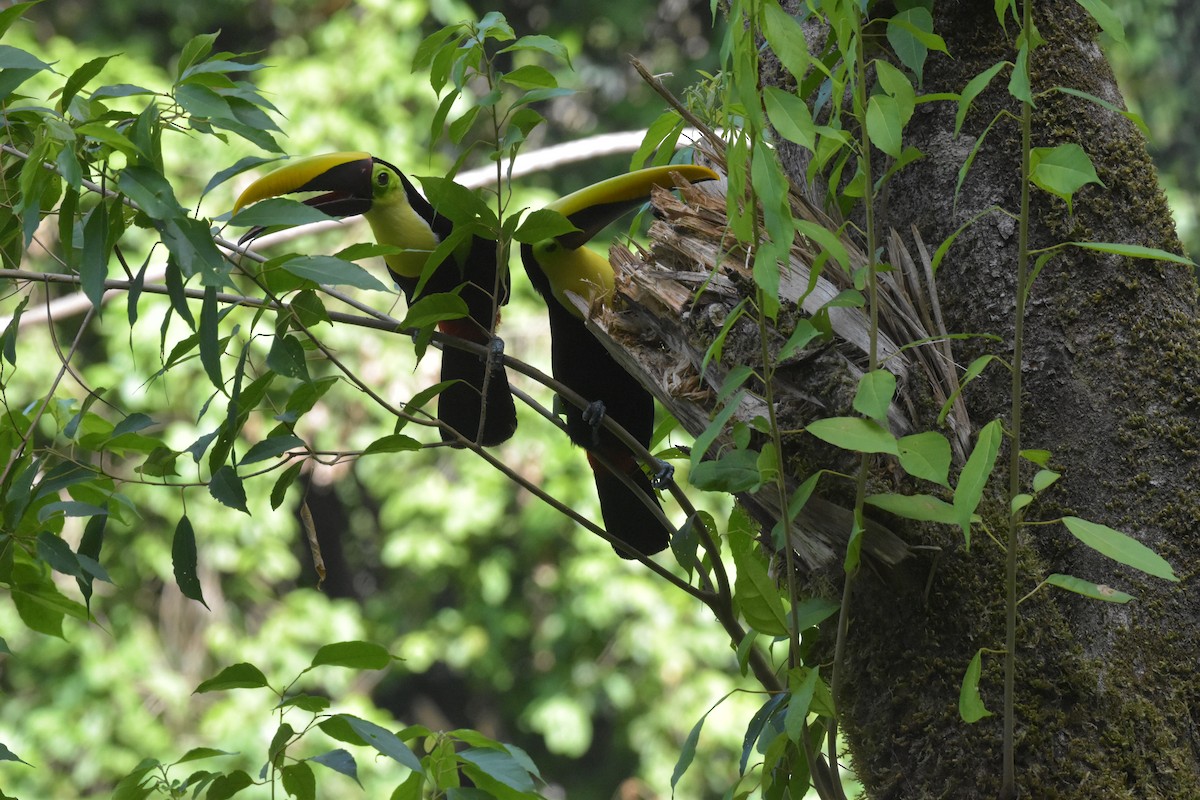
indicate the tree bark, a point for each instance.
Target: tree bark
{"x":1108,"y":696}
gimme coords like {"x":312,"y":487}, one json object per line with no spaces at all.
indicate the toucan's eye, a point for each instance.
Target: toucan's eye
{"x":382,"y":178}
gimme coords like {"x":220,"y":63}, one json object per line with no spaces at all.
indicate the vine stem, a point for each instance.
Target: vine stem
{"x":843,"y":628}
{"x":1008,"y":784}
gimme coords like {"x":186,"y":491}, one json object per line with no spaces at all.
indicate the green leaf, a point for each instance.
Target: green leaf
{"x":687,"y":753}
{"x":58,"y":554}
{"x":395,"y":443}
{"x":733,"y":472}
{"x":1044,"y":479}
{"x":923,"y":507}
{"x":910,"y":33}
{"x":975,"y":474}
{"x":874,"y":395}
{"x":1018,"y":82}
{"x":328,"y":270}
{"x":287,"y":357}
{"x":970,"y":704}
{"x":1061,"y":170}
{"x":884,"y":126}
{"x":800,"y":699}
{"x":352,"y":655}
{"x":237,"y":676}
{"x":210,"y":344}
{"x":385,"y":742}
{"x":854,"y":433}
{"x":298,"y":781}
{"x":827,"y":240}
{"x":277,"y":211}
{"x":434,"y":308}
{"x":804,"y":333}
{"x":1135,"y":118}
{"x":974,"y":87}
{"x":15,"y":58}
{"x":279,"y":490}
{"x":200,"y":753}
{"x":926,"y":455}
{"x":1120,"y":547}
{"x":786,"y":37}
{"x":1108,"y":21}
{"x":1134,"y":251}
{"x":542,"y":224}
{"x":226,"y":488}
{"x":183,"y":560}
{"x":790,"y":117}
{"x":226,"y":786}
{"x":546,"y":44}
{"x":80,"y":78}
{"x":756,"y":595}
{"x":151,"y":191}
{"x":272,"y":447}
{"x":1096,"y":591}
{"x":9,"y":755}
{"x":339,"y":761}
{"x":194,"y":51}
{"x":530,"y":76}
{"x":13,"y":13}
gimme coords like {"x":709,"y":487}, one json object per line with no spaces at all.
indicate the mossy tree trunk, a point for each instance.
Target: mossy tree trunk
{"x":1108,"y":696}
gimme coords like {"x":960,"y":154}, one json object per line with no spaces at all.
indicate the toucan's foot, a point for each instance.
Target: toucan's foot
{"x":593,"y":415}
{"x":664,"y":474}
{"x":495,"y":356}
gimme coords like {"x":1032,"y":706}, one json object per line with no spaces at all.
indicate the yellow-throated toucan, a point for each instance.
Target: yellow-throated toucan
{"x":358,"y":183}
{"x":563,"y":264}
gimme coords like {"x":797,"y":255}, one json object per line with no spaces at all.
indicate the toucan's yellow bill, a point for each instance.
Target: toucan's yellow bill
{"x":592,"y":208}
{"x":297,"y":175}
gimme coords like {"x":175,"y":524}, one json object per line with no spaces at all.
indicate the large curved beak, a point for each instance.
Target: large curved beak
{"x":594,"y":207}
{"x":345,"y":179}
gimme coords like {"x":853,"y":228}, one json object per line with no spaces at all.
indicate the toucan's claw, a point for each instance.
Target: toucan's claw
{"x":594,"y":415}
{"x":495,"y":356}
{"x":664,"y":474}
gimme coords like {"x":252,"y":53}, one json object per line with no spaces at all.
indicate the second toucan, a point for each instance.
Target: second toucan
{"x":564,"y":264}
{"x":478,"y":403}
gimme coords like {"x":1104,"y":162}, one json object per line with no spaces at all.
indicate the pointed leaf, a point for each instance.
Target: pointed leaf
{"x":237,"y":676}
{"x":332,"y":271}
{"x":354,"y":655}
{"x":970,"y":704}
{"x":385,"y":742}
{"x":339,"y":761}
{"x":183,"y":559}
{"x":1120,"y":547}
{"x":854,"y":433}
{"x":874,"y":395}
{"x":226,"y":488}
{"x":1096,"y":591}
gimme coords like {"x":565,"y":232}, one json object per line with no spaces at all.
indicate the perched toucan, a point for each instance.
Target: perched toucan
{"x":358,"y":183}
{"x":563,"y":264}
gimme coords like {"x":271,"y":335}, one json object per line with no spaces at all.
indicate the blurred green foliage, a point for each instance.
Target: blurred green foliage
{"x":507,"y":617}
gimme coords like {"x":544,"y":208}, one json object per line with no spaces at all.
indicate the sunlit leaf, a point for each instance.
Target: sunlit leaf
{"x":236,"y":676}
{"x":1120,"y":547}
{"x":854,"y":433}
{"x":970,"y":704}
{"x":1096,"y":591}
{"x":353,"y":655}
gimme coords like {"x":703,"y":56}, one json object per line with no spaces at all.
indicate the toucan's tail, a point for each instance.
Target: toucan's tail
{"x":464,"y":403}
{"x":626,"y":515}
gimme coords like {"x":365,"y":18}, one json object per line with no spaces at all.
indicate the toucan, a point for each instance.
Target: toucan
{"x":478,"y":404}
{"x":563,"y":264}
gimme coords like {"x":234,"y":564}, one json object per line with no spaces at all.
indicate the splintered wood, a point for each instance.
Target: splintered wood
{"x":673,"y":301}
